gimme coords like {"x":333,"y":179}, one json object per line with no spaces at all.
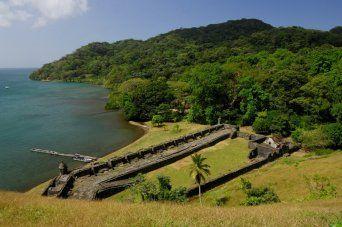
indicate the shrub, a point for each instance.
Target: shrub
{"x":262,"y":195}
{"x":325,"y":136}
{"x":334,"y":134}
{"x":145,"y":190}
{"x":176,"y":128}
{"x":262,"y":124}
{"x":164,"y":187}
{"x":178,"y":194}
{"x":157,"y":120}
{"x":176,"y":116}
{"x":272,"y":122}
{"x":320,"y":187}
{"x":164,"y":110}
{"x":316,"y":138}
{"x":336,"y":111}
{"x":297,"y":135}
{"x":304,"y":122}
{"x":245,"y":184}
{"x":162,"y":191}
{"x":196,"y":114}
{"x":320,"y":152}
{"x":257,"y":196}
{"x":221,"y":201}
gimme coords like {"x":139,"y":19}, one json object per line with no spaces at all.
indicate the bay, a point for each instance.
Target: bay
{"x":65,"y":117}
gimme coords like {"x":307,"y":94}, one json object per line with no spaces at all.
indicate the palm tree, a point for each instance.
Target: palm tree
{"x":198,"y":170}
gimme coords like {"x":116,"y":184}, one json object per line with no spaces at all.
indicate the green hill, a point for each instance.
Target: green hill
{"x":170,"y":54}
{"x":245,"y":72}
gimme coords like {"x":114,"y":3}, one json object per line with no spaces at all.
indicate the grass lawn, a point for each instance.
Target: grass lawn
{"x":157,"y":135}
{"x":225,"y":156}
{"x":31,"y":210}
{"x":222,"y":158}
{"x":286,"y":176}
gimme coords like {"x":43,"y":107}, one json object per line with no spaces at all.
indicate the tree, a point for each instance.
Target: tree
{"x":198,"y":171}
{"x":211,"y":87}
{"x":157,"y":120}
{"x":140,"y":98}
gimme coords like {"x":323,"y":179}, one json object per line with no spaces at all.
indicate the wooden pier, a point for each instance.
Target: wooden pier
{"x":76,"y":157}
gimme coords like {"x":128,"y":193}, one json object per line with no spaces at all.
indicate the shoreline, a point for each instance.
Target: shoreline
{"x":140,"y":129}
{"x":139,"y":125}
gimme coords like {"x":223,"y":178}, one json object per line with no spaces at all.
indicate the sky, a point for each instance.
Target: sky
{"x":35,"y":32}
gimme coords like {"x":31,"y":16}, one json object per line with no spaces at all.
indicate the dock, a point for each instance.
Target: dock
{"x":76,"y":156}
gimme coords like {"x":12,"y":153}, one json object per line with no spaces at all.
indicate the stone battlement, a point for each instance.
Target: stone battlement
{"x":104,"y":179}
{"x":85,"y":182}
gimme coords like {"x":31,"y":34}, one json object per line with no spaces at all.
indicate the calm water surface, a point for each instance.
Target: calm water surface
{"x":66,"y":117}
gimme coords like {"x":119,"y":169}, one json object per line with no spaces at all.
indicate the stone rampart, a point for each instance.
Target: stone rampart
{"x":129,"y":157}
{"x":264,"y":154}
{"x":154,"y":157}
{"x":193,"y":191}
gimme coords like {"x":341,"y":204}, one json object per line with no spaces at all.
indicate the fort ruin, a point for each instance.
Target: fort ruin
{"x":101,"y":180}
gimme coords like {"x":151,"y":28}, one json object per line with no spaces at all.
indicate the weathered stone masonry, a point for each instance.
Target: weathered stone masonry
{"x":84,"y":183}
{"x":262,"y":154}
{"x":105,"y":179}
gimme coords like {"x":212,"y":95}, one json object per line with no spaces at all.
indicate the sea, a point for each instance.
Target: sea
{"x":58,"y":116}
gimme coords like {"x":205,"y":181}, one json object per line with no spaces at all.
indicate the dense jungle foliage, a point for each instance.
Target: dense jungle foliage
{"x":246,"y":72}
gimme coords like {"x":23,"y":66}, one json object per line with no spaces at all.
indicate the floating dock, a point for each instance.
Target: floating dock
{"x":76,"y":157}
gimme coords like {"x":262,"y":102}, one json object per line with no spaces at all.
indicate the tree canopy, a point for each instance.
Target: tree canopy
{"x":245,"y":72}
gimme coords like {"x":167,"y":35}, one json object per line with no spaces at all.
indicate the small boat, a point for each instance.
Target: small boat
{"x":83,"y":159}
{"x":7,"y":87}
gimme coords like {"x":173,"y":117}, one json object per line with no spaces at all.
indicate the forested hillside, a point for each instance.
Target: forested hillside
{"x":246,"y":72}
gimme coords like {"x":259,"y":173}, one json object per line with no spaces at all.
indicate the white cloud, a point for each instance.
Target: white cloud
{"x":8,"y":15}
{"x":42,"y":11}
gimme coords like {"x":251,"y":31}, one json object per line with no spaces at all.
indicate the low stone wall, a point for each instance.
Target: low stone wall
{"x":156,"y":164}
{"x":141,"y":154}
{"x":193,"y":191}
{"x":264,"y":152}
{"x":166,"y":160}
{"x":63,"y":193}
{"x":106,"y":190}
{"x":51,"y":184}
{"x":244,"y":135}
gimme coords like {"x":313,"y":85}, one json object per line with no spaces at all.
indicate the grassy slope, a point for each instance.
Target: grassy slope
{"x":286,"y":176}
{"x":20,"y":209}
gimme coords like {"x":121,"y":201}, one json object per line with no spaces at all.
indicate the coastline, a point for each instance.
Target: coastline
{"x":138,"y":130}
{"x":140,"y":125}
{"x":39,"y":187}
{"x":151,"y":136}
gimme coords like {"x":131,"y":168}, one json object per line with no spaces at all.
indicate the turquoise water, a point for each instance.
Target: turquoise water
{"x":66,"y":117}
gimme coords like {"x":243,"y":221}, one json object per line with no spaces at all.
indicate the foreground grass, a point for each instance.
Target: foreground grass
{"x":23,"y":210}
{"x":286,"y":176}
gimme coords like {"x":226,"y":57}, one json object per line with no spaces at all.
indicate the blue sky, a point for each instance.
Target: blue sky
{"x":34,"y":32}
